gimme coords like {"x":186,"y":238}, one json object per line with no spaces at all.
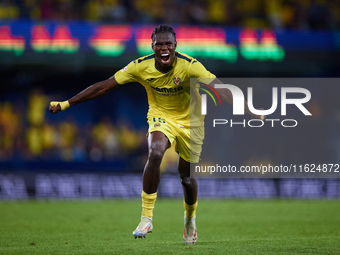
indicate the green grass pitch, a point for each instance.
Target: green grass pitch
{"x":224,"y":227}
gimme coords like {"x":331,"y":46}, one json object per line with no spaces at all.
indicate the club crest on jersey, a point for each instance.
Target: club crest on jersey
{"x":157,"y":125}
{"x":123,"y":69}
{"x":177,"y":80}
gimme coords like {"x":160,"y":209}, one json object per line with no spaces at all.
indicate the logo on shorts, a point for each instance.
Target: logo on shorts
{"x":157,"y":125}
{"x":177,"y":80}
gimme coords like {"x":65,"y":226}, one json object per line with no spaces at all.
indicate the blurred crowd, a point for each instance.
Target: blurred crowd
{"x":278,"y":14}
{"x":26,"y":134}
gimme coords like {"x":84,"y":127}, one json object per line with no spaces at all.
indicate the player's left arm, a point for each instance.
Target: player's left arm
{"x":227,"y":96}
{"x":197,"y":70}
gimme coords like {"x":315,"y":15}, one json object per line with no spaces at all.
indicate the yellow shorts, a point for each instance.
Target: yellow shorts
{"x":188,"y":149}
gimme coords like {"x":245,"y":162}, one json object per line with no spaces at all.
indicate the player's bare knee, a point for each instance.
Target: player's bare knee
{"x":155,"y":157}
{"x":185,"y":180}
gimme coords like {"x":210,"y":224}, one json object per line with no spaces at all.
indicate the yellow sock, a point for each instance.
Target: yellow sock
{"x":148,"y":203}
{"x":190,"y":210}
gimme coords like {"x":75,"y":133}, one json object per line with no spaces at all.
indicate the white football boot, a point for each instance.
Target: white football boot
{"x":143,"y":228}
{"x":190,"y":230}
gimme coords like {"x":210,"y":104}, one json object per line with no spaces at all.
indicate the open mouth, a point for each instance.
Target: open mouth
{"x":165,"y":57}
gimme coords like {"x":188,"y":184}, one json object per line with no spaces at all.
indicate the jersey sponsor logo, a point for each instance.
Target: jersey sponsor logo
{"x":157,"y":125}
{"x":166,"y":90}
{"x":177,"y":80}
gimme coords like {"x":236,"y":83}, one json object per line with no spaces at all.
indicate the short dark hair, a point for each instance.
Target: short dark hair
{"x":163,"y":28}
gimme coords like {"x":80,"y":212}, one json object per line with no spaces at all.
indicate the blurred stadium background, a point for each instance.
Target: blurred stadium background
{"x":52,"y":49}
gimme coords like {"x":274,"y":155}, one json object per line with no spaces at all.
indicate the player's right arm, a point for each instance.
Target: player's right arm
{"x":96,"y":90}
{"x":125,"y":75}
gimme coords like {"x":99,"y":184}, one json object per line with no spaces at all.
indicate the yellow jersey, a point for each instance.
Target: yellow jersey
{"x":169,"y":93}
